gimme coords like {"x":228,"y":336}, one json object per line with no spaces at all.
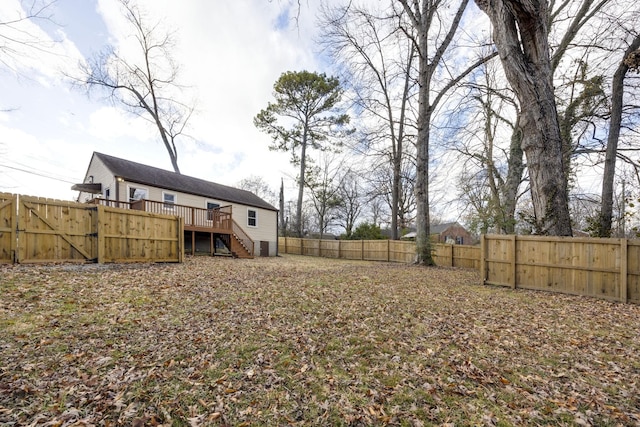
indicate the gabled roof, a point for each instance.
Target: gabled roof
{"x":149,"y":175}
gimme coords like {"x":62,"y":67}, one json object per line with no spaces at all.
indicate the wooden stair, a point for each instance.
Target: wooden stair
{"x":238,"y":249}
{"x":236,"y":246}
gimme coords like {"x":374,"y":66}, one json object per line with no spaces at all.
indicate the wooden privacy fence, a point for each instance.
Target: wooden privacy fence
{"x":380,"y":250}
{"x":601,"y":268}
{"x":40,"y":230}
{"x":594,"y":267}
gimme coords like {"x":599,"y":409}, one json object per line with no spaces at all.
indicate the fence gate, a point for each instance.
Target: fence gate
{"x":8,"y":227}
{"x":55,"y":231}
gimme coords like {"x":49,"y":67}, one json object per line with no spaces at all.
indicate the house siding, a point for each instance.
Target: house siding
{"x":453,"y":232}
{"x":101,"y":174}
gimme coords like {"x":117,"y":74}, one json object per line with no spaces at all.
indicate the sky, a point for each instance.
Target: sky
{"x":230,"y":54}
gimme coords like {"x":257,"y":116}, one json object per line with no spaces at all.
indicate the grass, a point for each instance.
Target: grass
{"x":306,"y":341}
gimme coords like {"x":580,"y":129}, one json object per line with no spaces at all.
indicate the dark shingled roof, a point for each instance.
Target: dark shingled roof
{"x":143,"y":174}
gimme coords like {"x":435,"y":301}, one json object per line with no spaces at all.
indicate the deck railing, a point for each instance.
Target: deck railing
{"x":110,"y":203}
{"x":218,"y":218}
{"x":246,"y":240}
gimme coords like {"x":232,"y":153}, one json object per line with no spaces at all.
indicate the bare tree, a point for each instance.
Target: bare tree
{"x":146,"y":85}
{"x":491,"y":111}
{"x":521,"y":37}
{"x":322,"y":182}
{"x":16,"y":41}
{"x":258,"y":186}
{"x":351,"y":198}
{"x":378,"y":60}
{"x":432,"y":31}
{"x":617,"y":92}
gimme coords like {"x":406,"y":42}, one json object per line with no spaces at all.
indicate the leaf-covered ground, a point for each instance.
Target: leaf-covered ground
{"x":306,"y":341}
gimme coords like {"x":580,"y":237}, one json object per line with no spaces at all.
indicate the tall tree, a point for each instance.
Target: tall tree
{"x":432,"y":31}
{"x":378,"y":58}
{"x":630,"y":59}
{"x":520,"y":33}
{"x":146,"y":85}
{"x":305,"y":115}
{"x":283,"y":221}
{"x":489,"y":162}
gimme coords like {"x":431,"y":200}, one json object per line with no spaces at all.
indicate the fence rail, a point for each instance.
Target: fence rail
{"x":41,"y":230}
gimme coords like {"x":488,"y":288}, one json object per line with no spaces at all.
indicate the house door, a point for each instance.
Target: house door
{"x":264,"y":248}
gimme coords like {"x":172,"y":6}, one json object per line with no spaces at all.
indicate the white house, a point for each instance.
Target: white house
{"x":217,"y":218}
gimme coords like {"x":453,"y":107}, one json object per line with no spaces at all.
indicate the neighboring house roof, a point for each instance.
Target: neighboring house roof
{"x":434,"y":229}
{"x":439,"y":228}
{"x":149,"y":175}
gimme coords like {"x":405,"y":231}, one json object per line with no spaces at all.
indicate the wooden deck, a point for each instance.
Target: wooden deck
{"x":215,"y":222}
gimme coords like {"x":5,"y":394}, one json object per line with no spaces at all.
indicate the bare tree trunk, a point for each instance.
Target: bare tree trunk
{"x":617,"y":92}
{"x":397,"y":160}
{"x":421,"y":18}
{"x":521,"y":37}
{"x":303,"y":165}
{"x":283,"y":224}
{"x":513,"y":180}
{"x":423,"y":221}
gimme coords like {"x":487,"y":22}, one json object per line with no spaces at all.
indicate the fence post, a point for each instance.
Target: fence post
{"x":301,"y":246}
{"x":624,"y":293}
{"x":181,"y":240}
{"x":483,"y":255}
{"x":452,"y":263}
{"x":100,"y":234}
{"x":339,"y":248}
{"x":362,"y":250}
{"x":388,"y":250}
{"x":14,"y":246}
{"x":513,"y":261}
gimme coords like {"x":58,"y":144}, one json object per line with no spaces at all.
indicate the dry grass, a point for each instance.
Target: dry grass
{"x":306,"y":341}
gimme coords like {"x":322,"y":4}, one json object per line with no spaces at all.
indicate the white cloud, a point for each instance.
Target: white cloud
{"x":34,"y":50}
{"x":230,"y":54}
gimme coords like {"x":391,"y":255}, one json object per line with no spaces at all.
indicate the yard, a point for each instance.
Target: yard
{"x":306,"y":341}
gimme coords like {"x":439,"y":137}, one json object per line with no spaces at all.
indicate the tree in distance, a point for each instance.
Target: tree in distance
{"x":305,"y":115}
{"x":367,"y":231}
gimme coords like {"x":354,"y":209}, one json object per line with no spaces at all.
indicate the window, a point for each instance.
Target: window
{"x":169,"y":200}
{"x":210,"y":207}
{"x":137,"y":193}
{"x":252,"y":218}
{"x":107,"y":193}
{"x":459,"y":240}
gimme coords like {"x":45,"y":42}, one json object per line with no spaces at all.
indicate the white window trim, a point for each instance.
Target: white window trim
{"x":255,"y":218}
{"x":167,"y":205}
{"x":129,"y":186}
